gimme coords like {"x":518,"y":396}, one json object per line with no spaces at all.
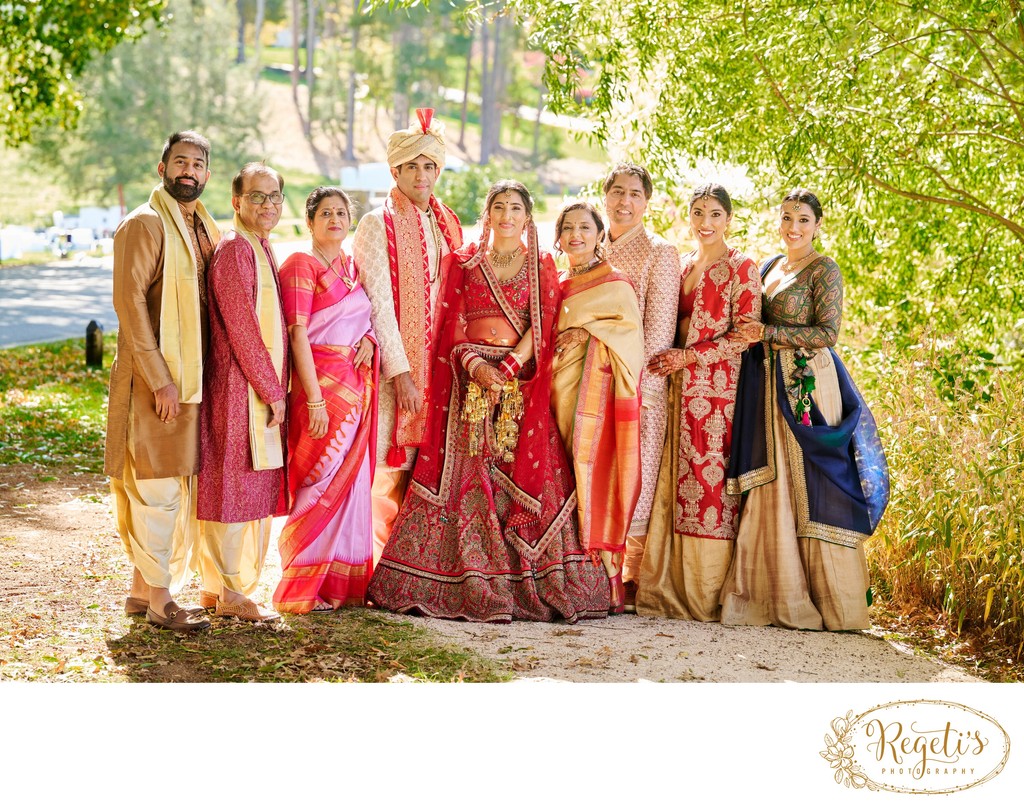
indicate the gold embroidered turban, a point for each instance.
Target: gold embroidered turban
{"x":425,"y":138}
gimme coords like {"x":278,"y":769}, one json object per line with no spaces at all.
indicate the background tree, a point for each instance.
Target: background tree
{"x":907,"y":117}
{"x":177,"y":75}
{"x":255,"y":13}
{"x":46,"y":45}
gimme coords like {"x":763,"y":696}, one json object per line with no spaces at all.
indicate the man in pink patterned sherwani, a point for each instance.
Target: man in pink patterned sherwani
{"x":241,"y":481}
{"x":653,"y":266}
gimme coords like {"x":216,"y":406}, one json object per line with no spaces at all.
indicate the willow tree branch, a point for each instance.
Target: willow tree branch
{"x":938,"y":175}
{"x":776,"y":87}
{"x":1014,"y":227}
{"x":979,"y":134}
{"x":1012,"y":53}
{"x":1015,"y":10}
{"x":938,"y":66}
{"x":998,"y":78}
{"x":969,"y":34}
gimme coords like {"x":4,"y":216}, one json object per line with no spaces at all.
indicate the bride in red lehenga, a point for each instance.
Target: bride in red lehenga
{"x":488,"y":529}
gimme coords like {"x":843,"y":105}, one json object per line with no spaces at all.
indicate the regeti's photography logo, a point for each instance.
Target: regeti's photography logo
{"x":920,"y":746}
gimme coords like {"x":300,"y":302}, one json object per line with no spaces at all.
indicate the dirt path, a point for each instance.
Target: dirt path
{"x":64,"y":574}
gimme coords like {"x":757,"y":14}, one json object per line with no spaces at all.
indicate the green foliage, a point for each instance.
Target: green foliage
{"x":952,"y":540}
{"x":53,"y":407}
{"x":464,"y":191}
{"x":180,"y":75}
{"x":46,"y":46}
{"x":906,"y":117}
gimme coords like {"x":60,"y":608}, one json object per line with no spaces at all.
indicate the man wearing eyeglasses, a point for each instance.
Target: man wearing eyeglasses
{"x":242,"y":483}
{"x":398,"y":250}
{"x":161,"y":253}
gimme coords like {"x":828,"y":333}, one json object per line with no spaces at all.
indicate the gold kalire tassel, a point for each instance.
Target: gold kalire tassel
{"x":474,"y":411}
{"x":506,"y":432}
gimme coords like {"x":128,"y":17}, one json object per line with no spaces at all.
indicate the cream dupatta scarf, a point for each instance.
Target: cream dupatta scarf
{"x":181,"y":333}
{"x":265,"y":442}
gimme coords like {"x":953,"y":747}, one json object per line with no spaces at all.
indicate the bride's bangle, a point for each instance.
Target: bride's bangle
{"x":321,"y":405}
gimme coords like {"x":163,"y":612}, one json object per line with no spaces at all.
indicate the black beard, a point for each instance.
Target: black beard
{"x":182,"y":192}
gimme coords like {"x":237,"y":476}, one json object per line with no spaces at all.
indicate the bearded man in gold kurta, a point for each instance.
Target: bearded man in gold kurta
{"x":161,"y":252}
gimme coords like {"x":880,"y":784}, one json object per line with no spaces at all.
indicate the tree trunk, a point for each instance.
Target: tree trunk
{"x":465,"y":95}
{"x":261,"y":8}
{"x":536,"y":125}
{"x":310,"y":53}
{"x":240,"y":55}
{"x":350,"y":103}
{"x":490,"y":109}
{"x":295,"y":51}
{"x":485,"y":89}
{"x":400,"y":99}
{"x":499,"y":77}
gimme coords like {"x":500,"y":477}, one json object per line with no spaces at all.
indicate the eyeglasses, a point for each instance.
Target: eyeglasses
{"x":258,"y":197}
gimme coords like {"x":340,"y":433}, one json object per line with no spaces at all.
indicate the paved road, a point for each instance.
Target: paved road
{"x":55,"y":301}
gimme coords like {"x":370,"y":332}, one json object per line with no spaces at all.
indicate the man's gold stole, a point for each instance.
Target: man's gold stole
{"x":181,"y":329}
{"x":264,"y":441}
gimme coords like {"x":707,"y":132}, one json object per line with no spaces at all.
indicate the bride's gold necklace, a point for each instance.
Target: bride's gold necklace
{"x":502,"y":261}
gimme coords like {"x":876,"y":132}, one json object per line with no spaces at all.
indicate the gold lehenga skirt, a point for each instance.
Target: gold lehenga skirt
{"x":681,"y":576}
{"x":782,"y":579}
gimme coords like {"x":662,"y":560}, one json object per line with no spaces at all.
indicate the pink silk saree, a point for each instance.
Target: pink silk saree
{"x":327,"y":542}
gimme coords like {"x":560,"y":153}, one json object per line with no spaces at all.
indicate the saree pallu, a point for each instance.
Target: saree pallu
{"x":814,"y":494}
{"x":327,"y":542}
{"x":595,"y":395}
{"x":479,"y":538}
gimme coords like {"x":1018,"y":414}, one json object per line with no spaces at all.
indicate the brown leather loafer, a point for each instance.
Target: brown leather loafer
{"x":135,"y":606}
{"x":139,"y":606}
{"x":207,"y":600}
{"x":246,"y":610}
{"x":177,"y":619}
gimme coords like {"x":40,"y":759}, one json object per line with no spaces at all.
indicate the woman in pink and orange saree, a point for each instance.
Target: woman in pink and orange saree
{"x":595,"y":389}
{"x":488,"y":530}
{"x":326,"y":545}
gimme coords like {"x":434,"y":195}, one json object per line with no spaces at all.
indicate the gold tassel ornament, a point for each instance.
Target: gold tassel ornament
{"x":506,"y":432}
{"x":474,"y":411}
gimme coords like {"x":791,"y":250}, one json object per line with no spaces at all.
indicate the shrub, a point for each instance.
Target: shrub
{"x":953,"y":537}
